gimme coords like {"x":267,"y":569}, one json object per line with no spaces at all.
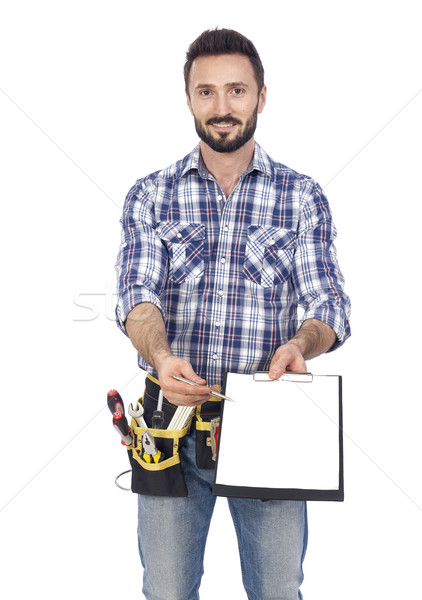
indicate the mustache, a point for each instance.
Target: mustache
{"x":226,"y":119}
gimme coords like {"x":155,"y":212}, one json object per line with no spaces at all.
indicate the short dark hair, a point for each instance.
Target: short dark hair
{"x":214,"y":42}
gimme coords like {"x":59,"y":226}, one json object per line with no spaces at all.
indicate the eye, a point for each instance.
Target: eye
{"x":238,"y":91}
{"x":205,"y":93}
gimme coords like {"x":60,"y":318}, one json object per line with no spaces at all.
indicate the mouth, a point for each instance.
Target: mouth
{"x":223,"y":125}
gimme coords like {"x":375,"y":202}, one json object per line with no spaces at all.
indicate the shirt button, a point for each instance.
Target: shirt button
{"x":124,"y":244}
{"x":179,"y":235}
{"x":226,"y":227}
{"x":219,"y":197}
{"x":217,"y":323}
{"x":223,"y":260}
{"x":220,"y":292}
{"x":215,"y":356}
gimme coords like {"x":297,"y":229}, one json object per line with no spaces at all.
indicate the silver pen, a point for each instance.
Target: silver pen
{"x":211,"y":393}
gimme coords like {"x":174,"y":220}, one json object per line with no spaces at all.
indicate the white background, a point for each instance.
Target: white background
{"x":92,"y":98}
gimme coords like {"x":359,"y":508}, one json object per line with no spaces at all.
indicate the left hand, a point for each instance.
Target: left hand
{"x":287,"y":358}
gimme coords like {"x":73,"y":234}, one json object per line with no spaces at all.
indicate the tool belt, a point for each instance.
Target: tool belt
{"x":165,"y":477}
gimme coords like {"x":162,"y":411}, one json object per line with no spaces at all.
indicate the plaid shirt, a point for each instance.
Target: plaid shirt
{"x":230,"y":275}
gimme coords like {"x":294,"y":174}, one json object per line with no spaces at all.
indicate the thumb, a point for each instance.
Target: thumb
{"x":286,"y":359}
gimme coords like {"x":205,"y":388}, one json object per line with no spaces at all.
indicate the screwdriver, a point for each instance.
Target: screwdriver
{"x":115,"y":402}
{"x":117,"y":409}
{"x":121,"y":426}
{"x":158,"y":415}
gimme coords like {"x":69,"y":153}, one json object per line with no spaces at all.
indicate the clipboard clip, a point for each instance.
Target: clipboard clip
{"x":294,"y":377}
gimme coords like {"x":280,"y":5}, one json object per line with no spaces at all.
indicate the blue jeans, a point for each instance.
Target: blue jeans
{"x":172,"y":533}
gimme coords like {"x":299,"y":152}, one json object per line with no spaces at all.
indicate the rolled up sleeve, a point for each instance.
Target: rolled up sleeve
{"x":142,"y":262}
{"x":317,"y":276}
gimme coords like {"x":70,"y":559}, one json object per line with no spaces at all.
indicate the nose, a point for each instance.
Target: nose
{"x":222,"y":105}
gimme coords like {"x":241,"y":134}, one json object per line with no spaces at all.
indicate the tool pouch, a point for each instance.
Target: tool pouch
{"x":205,"y":449}
{"x":164,"y":478}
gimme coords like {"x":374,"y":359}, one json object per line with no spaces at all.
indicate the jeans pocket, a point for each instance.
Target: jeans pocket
{"x":185,"y":244}
{"x":268,"y":255}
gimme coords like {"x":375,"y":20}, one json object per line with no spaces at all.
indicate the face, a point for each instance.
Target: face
{"x":224,"y":100}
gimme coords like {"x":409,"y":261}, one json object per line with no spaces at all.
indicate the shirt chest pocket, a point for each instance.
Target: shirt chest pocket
{"x":185,"y":245}
{"x":269,"y":254}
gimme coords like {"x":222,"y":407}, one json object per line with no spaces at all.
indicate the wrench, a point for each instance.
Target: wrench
{"x":137,"y":415}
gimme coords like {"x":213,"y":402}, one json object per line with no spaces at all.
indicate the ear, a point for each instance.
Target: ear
{"x":189,"y":104}
{"x":262,"y":99}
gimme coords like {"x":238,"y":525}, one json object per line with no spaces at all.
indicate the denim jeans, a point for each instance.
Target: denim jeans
{"x":172,"y":533}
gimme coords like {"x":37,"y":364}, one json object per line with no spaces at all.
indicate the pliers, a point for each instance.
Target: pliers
{"x":150,"y":452}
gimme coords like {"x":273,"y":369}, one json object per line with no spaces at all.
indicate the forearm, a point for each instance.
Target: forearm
{"x":146,"y":330}
{"x":314,"y":338}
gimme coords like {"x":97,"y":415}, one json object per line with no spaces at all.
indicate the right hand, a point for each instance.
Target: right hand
{"x":177,"y":392}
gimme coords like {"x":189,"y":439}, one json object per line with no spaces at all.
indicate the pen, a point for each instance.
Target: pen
{"x":211,"y":393}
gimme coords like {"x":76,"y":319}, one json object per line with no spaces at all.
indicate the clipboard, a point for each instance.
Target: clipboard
{"x":281,"y":439}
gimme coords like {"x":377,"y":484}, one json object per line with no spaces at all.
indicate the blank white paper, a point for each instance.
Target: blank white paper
{"x":280,"y":434}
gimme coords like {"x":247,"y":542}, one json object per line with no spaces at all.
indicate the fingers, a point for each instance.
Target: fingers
{"x":183,"y":394}
{"x":287,"y":358}
{"x":216,"y":388}
{"x":178,"y":392}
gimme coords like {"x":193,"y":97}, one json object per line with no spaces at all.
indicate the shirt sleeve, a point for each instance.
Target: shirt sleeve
{"x":317,"y":275}
{"x":142,"y":262}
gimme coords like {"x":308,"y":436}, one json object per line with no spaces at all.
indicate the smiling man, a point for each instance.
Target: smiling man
{"x":218,"y":253}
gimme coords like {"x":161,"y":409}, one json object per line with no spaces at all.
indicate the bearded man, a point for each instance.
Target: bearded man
{"x":218,"y":253}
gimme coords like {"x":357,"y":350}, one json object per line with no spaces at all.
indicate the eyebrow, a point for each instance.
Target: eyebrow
{"x":226,"y":85}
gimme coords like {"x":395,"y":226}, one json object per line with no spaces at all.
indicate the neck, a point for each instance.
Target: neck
{"x":227,"y":167}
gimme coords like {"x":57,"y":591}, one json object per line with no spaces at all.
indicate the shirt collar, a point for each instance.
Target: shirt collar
{"x":260,"y":162}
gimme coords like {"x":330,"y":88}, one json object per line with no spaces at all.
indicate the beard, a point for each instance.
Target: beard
{"x":222,"y":143}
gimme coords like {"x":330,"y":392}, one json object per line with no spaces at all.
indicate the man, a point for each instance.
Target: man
{"x":218,"y":252}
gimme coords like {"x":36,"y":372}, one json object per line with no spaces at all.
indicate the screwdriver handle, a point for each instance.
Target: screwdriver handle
{"x":115,"y":402}
{"x":157,"y":419}
{"x":158,"y":415}
{"x":122,"y":427}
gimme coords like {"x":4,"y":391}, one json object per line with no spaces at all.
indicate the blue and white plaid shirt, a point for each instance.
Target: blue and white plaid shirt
{"x":229,"y":275}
